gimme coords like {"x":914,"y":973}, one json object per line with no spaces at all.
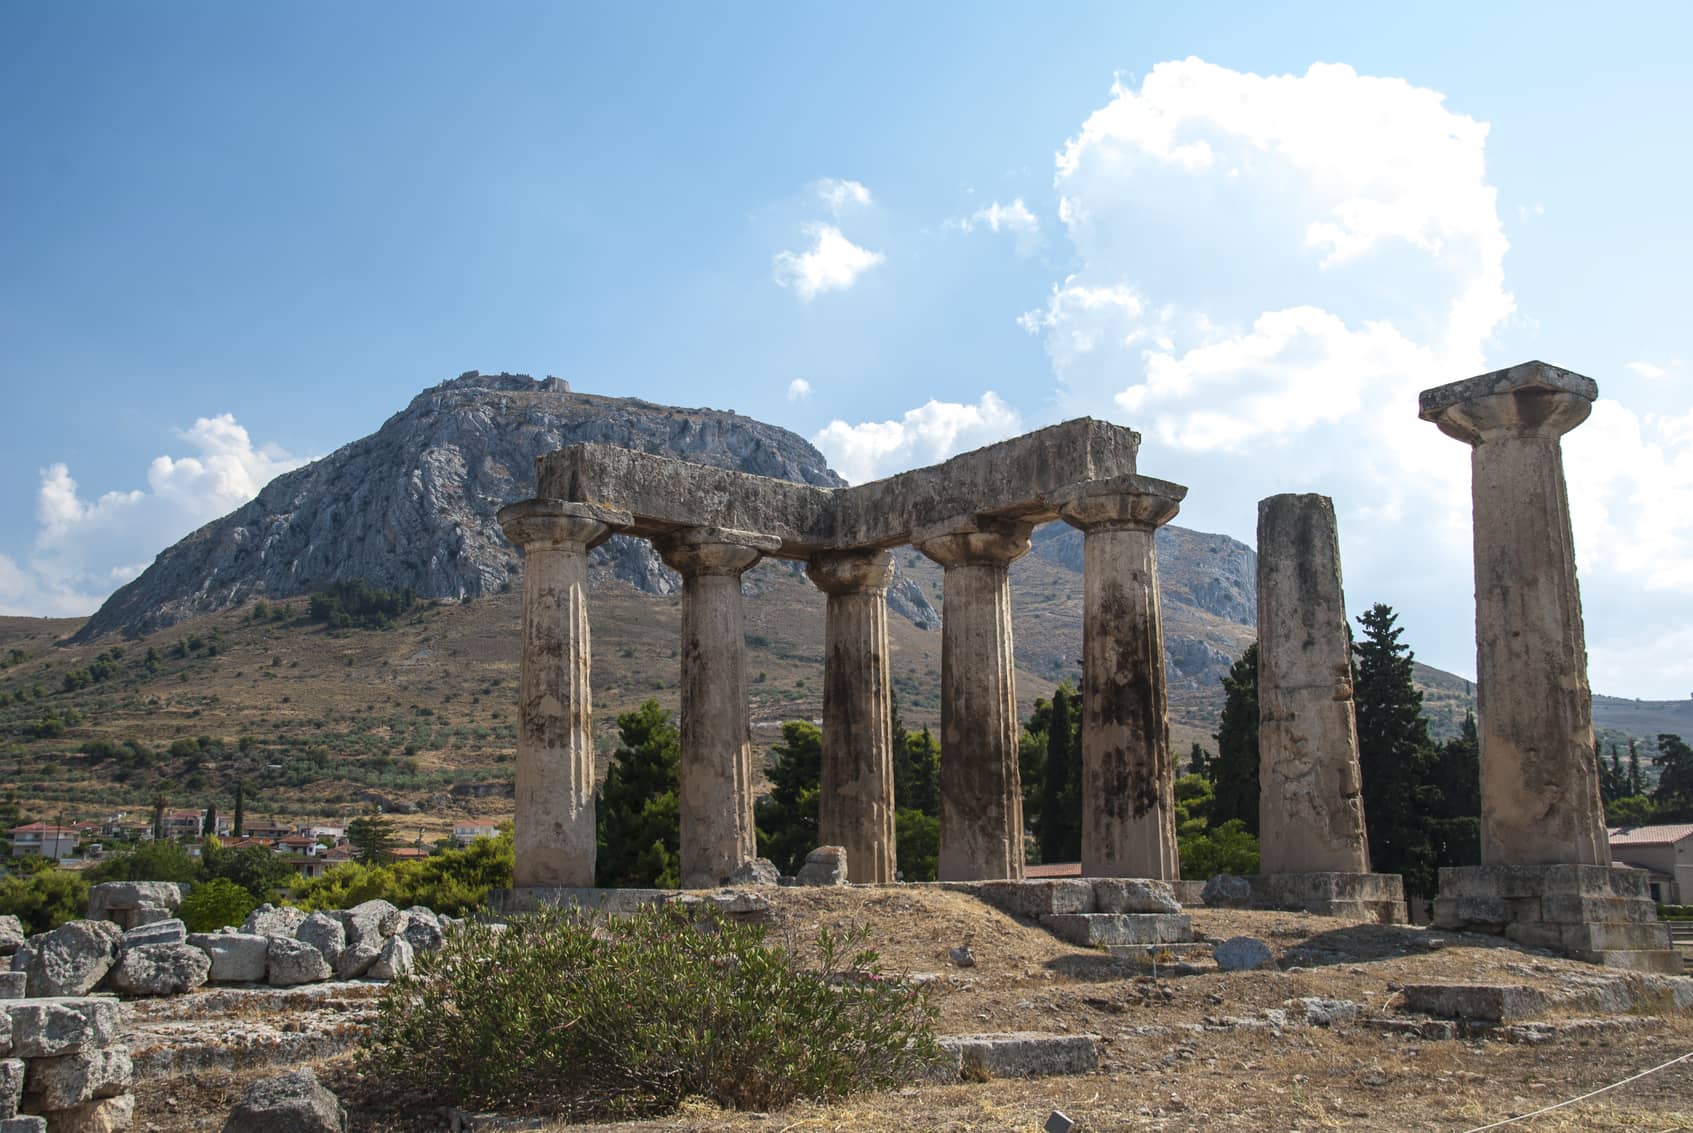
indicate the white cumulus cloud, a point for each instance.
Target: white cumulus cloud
{"x":85,"y":547}
{"x":833,"y":263}
{"x":1014,"y":218}
{"x":931,"y":432}
{"x":841,"y":195}
{"x":799,"y":389}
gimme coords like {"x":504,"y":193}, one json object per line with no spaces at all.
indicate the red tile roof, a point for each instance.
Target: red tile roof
{"x":1650,"y":835}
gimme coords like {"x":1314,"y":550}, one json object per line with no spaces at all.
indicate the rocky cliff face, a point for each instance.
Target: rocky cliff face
{"x":413,"y":505}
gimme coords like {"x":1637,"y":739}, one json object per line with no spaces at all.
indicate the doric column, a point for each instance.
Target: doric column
{"x":856,"y":803}
{"x":554,"y":826}
{"x":1311,"y":806}
{"x":1539,"y":773}
{"x":981,"y":791}
{"x":1128,"y":803}
{"x":718,"y":836}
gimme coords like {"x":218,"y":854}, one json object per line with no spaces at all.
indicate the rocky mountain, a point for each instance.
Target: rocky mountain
{"x":413,"y":505}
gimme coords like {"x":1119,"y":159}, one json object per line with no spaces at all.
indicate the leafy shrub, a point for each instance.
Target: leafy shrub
{"x":215,"y":903}
{"x":1228,"y":848}
{"x":45,"y":899}
{"x":629,"y":1016}
{"x":256,"y":869}
{"x":453,"y":881}
{"x":149,"y":861}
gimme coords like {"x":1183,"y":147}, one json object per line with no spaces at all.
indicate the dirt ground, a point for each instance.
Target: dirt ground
{"x":1182,"y":1050}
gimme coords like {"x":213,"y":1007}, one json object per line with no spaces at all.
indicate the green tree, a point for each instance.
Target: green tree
{"x":639,"y":839}
{"x":372,"y":835}
{"x":1613,"y":780}
{"x":44,"y":898}
{"x":209,"y":824}
{"x":239,"y":824}
{"x":1636,"y":779}
{"x":917,"y":773}
{"x":1060,"y":830}
{"x":1199,"y":761}
{"x":1674,"y":793}
{"x":917,"y":838}
{"x":256,"y":869}
{"x":1234,"y":773}
{"x":1195,"y":798}
{"x":1230,"y":848}
{"x":1394,"y":751}
{"x":787,"y":817}
{"x":149,"y":861}
{"x":213,"y":904}
{"x":1630,"y":810}
{"x":1453,"y":794}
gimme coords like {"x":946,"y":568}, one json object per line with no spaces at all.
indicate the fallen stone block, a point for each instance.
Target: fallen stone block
{"x":237,"y":957}
{"x":11,"y":1086}
{"x":123,"y":896}
{"x":160,"y":969}
{"x":395,"y":959}
{"x":758,"y":871}
{"x":43,"y":1028}
{"x":108,"y":1115}
{"x":356,"y":960}
{"x":1019,"y":1054}
{"x":1320,"y":1012}
{"x":1476,"y":1003}
{"x":71,"y":1079}
{"x":167,"y":931}
{"x":1039,"y":898}
{"x":1134,"y":895}
{"x":72,"y":959}
{"x":1227,"y":891}
{"x":1243,"y":954}
{"x":826,"y":865}
{"x":12,"y":934}
{"x":293,"y":962}
{"x":325,"y":933}
{"x":13,"y":984}
{"x":1097,"y":930}
{"x":269,"y":920}
{"x":372,"y":922}
{"x":423,"y":929}
{"x":291,"y":1103}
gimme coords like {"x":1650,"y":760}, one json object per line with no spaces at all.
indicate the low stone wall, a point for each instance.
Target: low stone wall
{"x":63,"y":1065}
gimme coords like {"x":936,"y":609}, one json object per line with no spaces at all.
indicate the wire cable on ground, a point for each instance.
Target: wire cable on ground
{"x":1582,"y":1098}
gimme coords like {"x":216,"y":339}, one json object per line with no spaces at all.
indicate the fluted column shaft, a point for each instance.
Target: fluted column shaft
{"x":716,"y":796}
{"x":981,"y":790}
{"x":1311,"y":806}
{"x":1540,"y":800}
{"x":554,"y":824}
{"x":856,"y":801}
{"x":1128,"y":785}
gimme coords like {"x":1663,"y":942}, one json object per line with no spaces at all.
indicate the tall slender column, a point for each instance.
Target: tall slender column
{"x":717,"y":835}
{"x":1128,"y":792}
{"x":856,"y":801}
{"x":1539,"y":772}
{"x":981,"y":791}
{"x":554,"y":826}
{"x":1311,"y":806}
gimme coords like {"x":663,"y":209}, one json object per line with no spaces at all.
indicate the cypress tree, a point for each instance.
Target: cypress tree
{"x":637,"y":810}
{"x":1060,"y":827}
{"x":1394,"y":751}
{"x":240,"y":821}
{"x":1234,"y":773}
{"x":787,"y":817}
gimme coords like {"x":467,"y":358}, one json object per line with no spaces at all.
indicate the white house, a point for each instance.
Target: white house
{"x":1666,"y":852}
{"x":38,"y":839}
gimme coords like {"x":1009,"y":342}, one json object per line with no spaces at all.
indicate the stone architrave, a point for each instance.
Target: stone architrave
{"x":1539,"y":772}
{"x":554,"y":822}
{"x":1128,"y":803}
{"x":856,"y":800}
{"x":981,"y":791}
{"x":716,"y":796}
{"x":1310,"y":808}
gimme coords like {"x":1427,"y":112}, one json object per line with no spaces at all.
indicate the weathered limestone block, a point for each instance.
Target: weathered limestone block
{"x":1227,"y":891}
{"x":291,"y":962}
{"x":108,"y":1115}
{"x":72,"y":959}
{"x":11,"y":934}
{"x":13,"y":984}
{"x":716,"y":796}
{"x":1311,"y":808}
{"x":111,"y":897}
{"x":44,"y":1028}
{"x":1128,"y":793}
{"x":826,"y":865}
{"x":1243,"y":954}
{"x":1539,"y":770}
{"x":160,"y":969}
{"x":759,"y":871}
{"x":1037,"y":898}
{"x":423,"y":929}
{"x":554,"y":828}
{"x":395,"y":959}
{"x":270,"y":920}
{"x":168,"y":931}
{"x":1134,"y":895}
{"x":371,"y":922}
{"x":11,"y":1087}
{"x":1095,"y":930}
{"x":290,"y":1103}
{"x":71,"y":1079}
{"x":1475,"y":1002}
{"x":856,"y":797}
{"x":357,"y":959}
{"x":981,"y":790}
{"x":325,"y":933}
{"x":1019,"y":1054}
{"x":1378,"y":897}
{"x":237,"y":957}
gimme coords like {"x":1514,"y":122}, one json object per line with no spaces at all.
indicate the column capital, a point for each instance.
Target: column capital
{"x":559,"y":524}
{"x":851,"y":572}
{"x":695,"y":551}
{"x":1134,"y":502}
{"x":973,"y":541}
{"x":1529,"y":400}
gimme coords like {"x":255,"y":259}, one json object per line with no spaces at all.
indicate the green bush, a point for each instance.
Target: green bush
{"x":150,"y":861}
{"x":213,"y":904}
{"x":1228,"y":848}
{"x":45,"y":899}
{"x":452,"y":881}
{"x":1675,"y":912}
{"x":587,"y":1016}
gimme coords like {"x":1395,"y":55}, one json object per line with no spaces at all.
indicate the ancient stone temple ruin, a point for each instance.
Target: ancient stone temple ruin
{"x":973,"y":515}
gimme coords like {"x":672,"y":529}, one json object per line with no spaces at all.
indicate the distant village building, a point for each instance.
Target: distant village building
{"x":465,"y":835}
{"x":1665,"y":852}
{"x":38,"y":839}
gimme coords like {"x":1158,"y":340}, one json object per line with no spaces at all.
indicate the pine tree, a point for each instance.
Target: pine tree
{"x":372,"y":835}
{"x":1613,"y":780}
{"x":1636,"y":779}
{"x":1454,"y":798}
{"x":1199,"y":761}
{"x":209,"y":824}
{"x":240,"y":822}
{"x":787,"y":817}
{"x":1674,"y":793}
{"x":917,"y":774}
{"x":637,"y":811}
{"x":1394,"y":751}
{"x":1234,"y":773}
{"x":1061,"y":813}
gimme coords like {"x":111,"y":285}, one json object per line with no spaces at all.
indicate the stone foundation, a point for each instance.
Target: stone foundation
{"x":1599,"y":914}
{"x":1378,"y":897}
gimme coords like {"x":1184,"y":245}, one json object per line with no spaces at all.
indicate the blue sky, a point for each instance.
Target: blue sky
{"x":234,"y":237}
